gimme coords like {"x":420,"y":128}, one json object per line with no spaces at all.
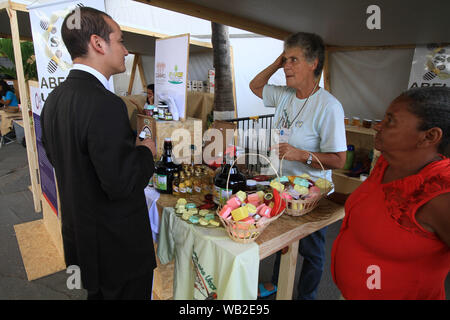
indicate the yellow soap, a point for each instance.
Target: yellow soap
{"x":260,"y":195}
{"x":214,"y":223}
{"x":300,"y":189}
{"x":181,"y":201}
{"x":251,"y":208}
{"x":239,"y":213}
{"x":241,"y":195}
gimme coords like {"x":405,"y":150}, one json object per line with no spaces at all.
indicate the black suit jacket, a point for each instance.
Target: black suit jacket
{"x":101,"y":178}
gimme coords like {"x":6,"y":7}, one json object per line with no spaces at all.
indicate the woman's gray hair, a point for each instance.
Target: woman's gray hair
{"x":432,"y":106}
{"x":312,"y":45}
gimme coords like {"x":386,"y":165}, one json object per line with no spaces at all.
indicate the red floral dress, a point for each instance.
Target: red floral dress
{"x":382,"y":252}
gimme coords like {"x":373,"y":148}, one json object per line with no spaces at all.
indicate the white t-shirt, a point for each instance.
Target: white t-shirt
{"x":318,"y":128}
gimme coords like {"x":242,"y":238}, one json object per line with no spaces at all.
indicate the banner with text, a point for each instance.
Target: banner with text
{"x":430,"y":67}
{"x":171,"y":68}
{"x":52,"y":58}
{"x":46,"y":172}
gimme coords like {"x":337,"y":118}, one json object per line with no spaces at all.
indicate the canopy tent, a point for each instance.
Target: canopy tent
{"x":365,"y":69}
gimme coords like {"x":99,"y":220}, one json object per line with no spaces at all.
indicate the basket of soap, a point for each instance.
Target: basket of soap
{"x":302,"y":193}
{"x":245,"y":215}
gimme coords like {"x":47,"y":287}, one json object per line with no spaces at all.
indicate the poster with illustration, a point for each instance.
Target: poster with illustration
{"x":171,"y":68}
{"x":53,"y":61}
{"x":430,"y":66}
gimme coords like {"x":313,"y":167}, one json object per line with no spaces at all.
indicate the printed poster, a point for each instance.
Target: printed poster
{"x":47,"y":176}
{"x":430,"y":66}
{"x":171,"y":69}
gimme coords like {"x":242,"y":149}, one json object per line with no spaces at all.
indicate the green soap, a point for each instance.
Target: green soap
{"x":194,"y":219}
{"x":191,"y":206}
{"x":209,"y":216}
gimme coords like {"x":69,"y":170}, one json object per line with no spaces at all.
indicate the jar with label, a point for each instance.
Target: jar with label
{"x":176,"y":184}
{"x":182,"y":185}
{"x":356,"y":121}
{"x":169,"y":116}
{"x":155,"y":113}
{"x":367,"y":123}
{"x":165,"y":169}
{"x":162,"y":110}
{"x":197,"y":183}
{"x":188,"y":183}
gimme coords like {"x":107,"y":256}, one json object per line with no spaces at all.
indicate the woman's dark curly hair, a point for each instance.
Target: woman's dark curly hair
{"x":432,"y":106}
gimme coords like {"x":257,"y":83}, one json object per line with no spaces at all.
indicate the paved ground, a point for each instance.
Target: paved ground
{"x":16,"y":206}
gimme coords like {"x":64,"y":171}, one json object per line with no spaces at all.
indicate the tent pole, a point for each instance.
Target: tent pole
{"x":142,"y":74}
{"x":23,"y":91}
{"x":133,"y":74}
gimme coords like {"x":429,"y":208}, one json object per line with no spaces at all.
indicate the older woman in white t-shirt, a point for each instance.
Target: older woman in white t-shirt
{"x":314,"y":120}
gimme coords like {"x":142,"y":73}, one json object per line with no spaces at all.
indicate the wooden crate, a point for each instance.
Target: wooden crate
{"x":159,"y":130}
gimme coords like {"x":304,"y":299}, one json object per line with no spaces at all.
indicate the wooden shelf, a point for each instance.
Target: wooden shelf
{"x":362,"y":130}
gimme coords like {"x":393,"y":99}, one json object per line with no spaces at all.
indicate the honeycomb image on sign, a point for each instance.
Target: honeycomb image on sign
{"x":438,"y":64}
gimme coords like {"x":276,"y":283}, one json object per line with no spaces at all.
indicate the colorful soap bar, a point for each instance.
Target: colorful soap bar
{"x":239,"y":213}
{"x":214,"y":223}
{"x":209,"y":216}
{"x":203,"y":212}
{"x":234,"y":203}
{"x":225,"y":212}
{"x":277,"y":185}
{"x":241,"y":195}
{"x":265,"y":211}
{"x":284,"y":179}
{"x":251,"y":208}
{"x":301,"y":182}
{"x":181,"y":201}
{"x":194,"y":219}
{"x":191,"y":206}
{"x":254,"y":197}
{"x":300,"y":189}
{"x":203,"y":221}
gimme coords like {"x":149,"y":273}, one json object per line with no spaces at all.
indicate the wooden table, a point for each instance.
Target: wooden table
{"x":286,"y":231}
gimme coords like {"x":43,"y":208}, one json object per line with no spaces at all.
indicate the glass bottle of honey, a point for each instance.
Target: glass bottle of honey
{"x":188,"y":183}
{"x":176,"y":184}
{"x":197,"y":183}
{"x":182,"y":184}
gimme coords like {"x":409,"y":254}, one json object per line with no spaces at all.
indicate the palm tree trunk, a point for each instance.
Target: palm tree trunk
{"x":223,"y":91}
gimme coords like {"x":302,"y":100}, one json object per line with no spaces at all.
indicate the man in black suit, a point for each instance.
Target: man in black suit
{"x":101,"y":168}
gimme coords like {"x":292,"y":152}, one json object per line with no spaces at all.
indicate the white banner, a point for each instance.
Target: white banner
{"x":430,"y":67}
{"x":52,"y":58}
{"x":171,"y":69}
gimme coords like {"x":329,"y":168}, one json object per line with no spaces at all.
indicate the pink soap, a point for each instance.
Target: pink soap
{"x":234,"y":203}
{"x":225,"y":212}
{"x":285,"y":195}
{"x":254,"y":197}
{"x":265,"y":211}
{"x":258,"y":208}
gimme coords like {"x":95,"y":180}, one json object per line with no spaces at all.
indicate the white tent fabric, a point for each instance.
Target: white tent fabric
{"x":365,"y":82}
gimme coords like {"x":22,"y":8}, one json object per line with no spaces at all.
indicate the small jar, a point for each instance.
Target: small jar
{"x":169,"y":116}
{"x":367,"y":123}
{"x":346,"y":121}
{"x":251,"y":186}
{"x":356,"y":121}
{"x":156,"y":113}
{"x":377,"y":121}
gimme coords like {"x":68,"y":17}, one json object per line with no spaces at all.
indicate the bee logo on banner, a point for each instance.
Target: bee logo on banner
{"x":53,"y":61}
{"x":430,"y":67}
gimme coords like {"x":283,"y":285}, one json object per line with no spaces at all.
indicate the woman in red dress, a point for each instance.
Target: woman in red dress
{"x":394,"y":242}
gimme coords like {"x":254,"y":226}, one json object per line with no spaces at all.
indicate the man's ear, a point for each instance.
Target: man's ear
{"x":97,"y":44}
{"x":432,"y":137}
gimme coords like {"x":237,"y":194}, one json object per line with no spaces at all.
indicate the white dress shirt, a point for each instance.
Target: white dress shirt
{"x":95,"y":73}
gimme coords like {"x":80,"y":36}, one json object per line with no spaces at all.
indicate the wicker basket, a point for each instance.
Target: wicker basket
{"x":300,"y":207}
{"x":239,"y":231}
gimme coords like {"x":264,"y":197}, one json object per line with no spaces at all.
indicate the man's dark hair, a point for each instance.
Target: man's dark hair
{"x":5,"y":88}
{"x":76,"y":37}
{"x":312,"y":46}
{"x":432,"y":106}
